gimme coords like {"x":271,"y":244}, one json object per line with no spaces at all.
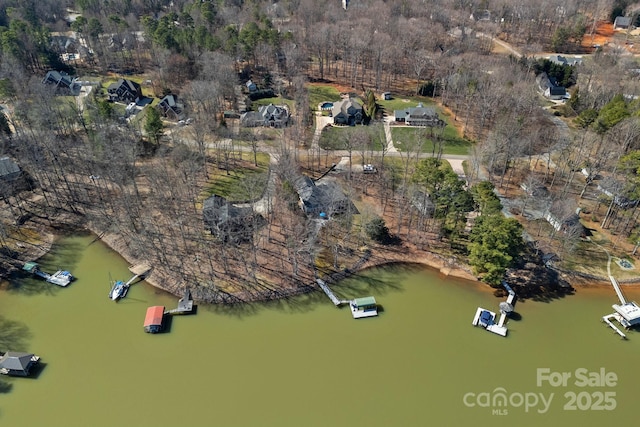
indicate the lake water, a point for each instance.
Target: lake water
{"x":306,"y":363}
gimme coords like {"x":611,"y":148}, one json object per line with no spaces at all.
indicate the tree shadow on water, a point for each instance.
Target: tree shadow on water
{"x":13,"y":335}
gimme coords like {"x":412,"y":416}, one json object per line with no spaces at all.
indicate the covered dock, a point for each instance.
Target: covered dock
{"x":18,"y":363}
{"x":153,"y":321}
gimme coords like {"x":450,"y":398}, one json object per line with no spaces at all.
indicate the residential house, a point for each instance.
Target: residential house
{"x":276,"y":116}
{"x":613,"y":188}
{"x":17,"y":363}
{"x":565,"y":60}
{"x":567,"y":223}
{"x":347,"y":112}
{"x":325,"y":197}
{"x":124,"y":91}
{"x":12,"y":178}
{"x":229,"y":222}
{"x":423,"y":203}
{"x":171,"y":107}
{"x":62,"y":82}
{"x":621,"y":23}
{"x":550,"y":89}
{"x":69,"y":47}
{"x":9,"y":170}
{"x":419,"y":116}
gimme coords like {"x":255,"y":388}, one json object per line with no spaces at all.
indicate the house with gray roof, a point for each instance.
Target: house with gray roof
{"x":17,"y":363}
{"x":276,"y":116}
{"x":124,"y":91}
{"x":323,"y":197}
{"x":171,"y":107}
{"x":347,"y":112}
{"x":419,"y":116}
{"x":62,"y":82}
{"x":229,"y":222}
{"x":565,"y":60}
{"x":549,"y":89}
{"x":9,"y":170}
{"x":621,"y":23}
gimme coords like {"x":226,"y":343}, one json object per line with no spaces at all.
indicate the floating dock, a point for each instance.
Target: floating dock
{"x":360,"y":307}
{"x":627,"y":313}
{"x":60,"y":277}
{"x":487,"y":318}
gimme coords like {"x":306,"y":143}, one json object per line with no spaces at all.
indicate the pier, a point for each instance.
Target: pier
{"x":607,"y":319}
{"x":334,"y":299}
{"x":616,"y":287}
{"x":185,"y":304}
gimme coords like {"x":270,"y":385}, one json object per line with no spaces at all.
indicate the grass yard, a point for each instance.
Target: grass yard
{"x":406,"y":139}
{"x":401,"y":103}
{"x":276,"y":100}
{"x":244,"y":182}
{"x":321,"y":93}
{"x":335,"y":138}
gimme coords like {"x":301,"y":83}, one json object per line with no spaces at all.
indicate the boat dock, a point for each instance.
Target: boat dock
{"x":60,"y":277}
{"x":627,"y":313}
{"x":487,"y":319}
{"x":360,"y":307}
{"x":607,"y":319}
{"x":334,"y":299}
{"x":185,"y":304}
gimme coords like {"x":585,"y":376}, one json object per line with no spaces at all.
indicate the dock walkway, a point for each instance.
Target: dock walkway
{"x":185,"y":304}
{"x":616,"y":287}
{"x":334,"y":299}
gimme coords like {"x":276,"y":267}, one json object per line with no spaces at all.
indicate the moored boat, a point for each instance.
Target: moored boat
{"x":118,"y":290}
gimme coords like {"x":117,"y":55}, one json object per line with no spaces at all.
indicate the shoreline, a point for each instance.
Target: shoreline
{"x":378,"y":256}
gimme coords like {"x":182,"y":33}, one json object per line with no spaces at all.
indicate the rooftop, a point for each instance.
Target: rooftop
{"x":362,"y":302}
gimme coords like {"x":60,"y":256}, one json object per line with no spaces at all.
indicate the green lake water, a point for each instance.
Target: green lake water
{"x":306,"y":363}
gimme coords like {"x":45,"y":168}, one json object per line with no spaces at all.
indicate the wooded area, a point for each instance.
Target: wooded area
{"x":144,"y":178}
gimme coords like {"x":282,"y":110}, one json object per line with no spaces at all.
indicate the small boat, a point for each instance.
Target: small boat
{"x":60,"y":278}
{"x":118,"y":290}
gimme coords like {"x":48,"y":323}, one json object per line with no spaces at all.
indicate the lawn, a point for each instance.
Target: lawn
{"x":320,"y":93}
{"x":406,"y":139}
{"x":334,"y":138}
{"x":243,"y":182}
{"x":276,"y":100}
{"x":401,"y":103}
